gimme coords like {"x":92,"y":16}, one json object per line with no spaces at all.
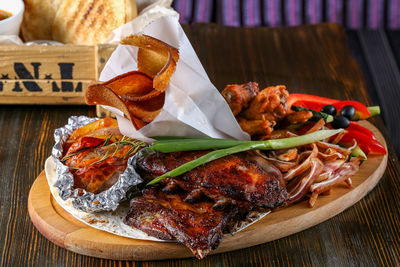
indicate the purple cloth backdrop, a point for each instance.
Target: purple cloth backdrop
{"x":353,"y":14}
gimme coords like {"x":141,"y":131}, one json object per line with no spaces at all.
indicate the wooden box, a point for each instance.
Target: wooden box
{"x":56,"y":75}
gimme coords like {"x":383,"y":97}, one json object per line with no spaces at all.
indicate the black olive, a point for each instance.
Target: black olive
{"x":348,"y":112}
{"x":340,"y":122}
{"x":329,"y":109}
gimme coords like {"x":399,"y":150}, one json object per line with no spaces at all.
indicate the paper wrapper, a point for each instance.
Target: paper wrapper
{"x":193,"y":106}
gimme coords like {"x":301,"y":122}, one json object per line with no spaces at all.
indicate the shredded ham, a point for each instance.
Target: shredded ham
{"x":288,"y":155}
{"x":343,"y":173}
{"x":342,"y":150}
{"x":302,"y":167}
{"x":303,"y":186}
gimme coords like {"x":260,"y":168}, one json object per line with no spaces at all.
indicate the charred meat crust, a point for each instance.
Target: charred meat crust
{"x":196,"y":207}
{"x":198,"y":225}
{"x":243,"y":181}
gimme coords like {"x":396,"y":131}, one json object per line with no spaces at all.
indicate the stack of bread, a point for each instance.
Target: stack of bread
{"x":82,"y":22}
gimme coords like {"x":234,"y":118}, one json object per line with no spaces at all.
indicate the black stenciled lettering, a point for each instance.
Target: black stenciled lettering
{"x":66,"y":87}
{"x":36,"y":69}
{"x":17,"y":88}
{"x":66,"y":70}
{"x":1,"y":86}
{"x":23,"y":74}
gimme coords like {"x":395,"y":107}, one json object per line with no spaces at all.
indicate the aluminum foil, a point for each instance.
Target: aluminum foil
{"x":107,"y":200}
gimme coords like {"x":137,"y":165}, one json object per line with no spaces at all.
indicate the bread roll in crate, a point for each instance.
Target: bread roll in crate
{"x":59,"y":74}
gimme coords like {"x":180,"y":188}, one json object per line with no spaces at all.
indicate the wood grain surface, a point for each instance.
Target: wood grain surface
{"x":63,"y":229}
{"x":313,"y":59}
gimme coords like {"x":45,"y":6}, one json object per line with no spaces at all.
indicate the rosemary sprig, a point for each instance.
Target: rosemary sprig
{"x":74,"y":153}
{"x":100,"y":160}
{"x":135,"y":146}
{"x":107,"y":140}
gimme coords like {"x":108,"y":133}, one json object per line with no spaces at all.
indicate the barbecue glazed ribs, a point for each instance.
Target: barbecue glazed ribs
{"x":168,"y":216}
{"x":195,"y":208}
{"x":232,"y":178}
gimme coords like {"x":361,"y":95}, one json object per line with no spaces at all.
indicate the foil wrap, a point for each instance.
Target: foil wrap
{"x":107,"y":200}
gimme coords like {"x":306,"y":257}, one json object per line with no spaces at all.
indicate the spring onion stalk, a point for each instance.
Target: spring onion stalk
{"x":206,"y":143}
{"x":174,"y":138}
{"x":375,"y":110}
{"x":240,"y":146}
{"x":357,"y":152}
{"x":195,"y":144}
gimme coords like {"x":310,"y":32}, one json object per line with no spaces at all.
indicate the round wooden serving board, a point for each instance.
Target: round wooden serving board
{"x":65,"y":231}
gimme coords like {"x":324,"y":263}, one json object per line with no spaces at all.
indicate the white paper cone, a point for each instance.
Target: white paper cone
{"x":193,"y":106}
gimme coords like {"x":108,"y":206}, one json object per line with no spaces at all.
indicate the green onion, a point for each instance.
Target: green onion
{"x":357,"y":152}
{"x":189,"y":144}
{"x":375,"y":110}
{"x":206,"y":143}
{"x":235,"y":146}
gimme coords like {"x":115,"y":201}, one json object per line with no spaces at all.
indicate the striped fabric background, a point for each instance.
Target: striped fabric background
{"x":353,"y":14}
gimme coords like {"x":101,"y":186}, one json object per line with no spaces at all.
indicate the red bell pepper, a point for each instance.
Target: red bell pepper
{"x":367,"y":144}
{"x":366,"y":139}
{"x":317,"y":102}
{"x":355,"y":127}
{"x":84,"y":142}
{"x":309,"y":101}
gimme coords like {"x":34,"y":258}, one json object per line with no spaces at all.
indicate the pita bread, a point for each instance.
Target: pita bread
{"x":87,"y":22}
{"x":38,"y":19}
{"x":130,"y":10}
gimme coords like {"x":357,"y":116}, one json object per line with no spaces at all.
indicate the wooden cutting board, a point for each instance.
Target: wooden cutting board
{"x":62,"y":229}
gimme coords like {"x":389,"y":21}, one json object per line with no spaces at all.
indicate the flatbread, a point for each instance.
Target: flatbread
{"x":113,"y":221}
{"x":109,"y":221}
{"x":38,"y":19}
{"x":89,"y":22}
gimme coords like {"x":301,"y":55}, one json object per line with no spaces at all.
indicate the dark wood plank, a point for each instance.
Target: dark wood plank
{"x":311,"y":59}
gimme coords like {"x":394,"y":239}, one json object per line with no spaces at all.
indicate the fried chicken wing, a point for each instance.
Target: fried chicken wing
{"x":256,"y":111}
{"x":238,"y":96}
{"x":269,"y":104}
{"x":299,"y":117}
{"x":256,"y":127}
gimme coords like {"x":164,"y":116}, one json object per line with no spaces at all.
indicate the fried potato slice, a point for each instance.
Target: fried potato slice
{"x":153,"y":93}
{"x":161,"y":80}
{"x":134,"y":83}
{"x":92,"y":127}
{"x":137,"y":94}
{"x":148,"y":110}
{"x":98,"y":94}
{"x":155,"y":58}
{"x":150,"y":61}
{"x":151,"y":43}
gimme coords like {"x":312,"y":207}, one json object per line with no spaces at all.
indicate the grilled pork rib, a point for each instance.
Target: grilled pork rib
{"x":198,"y":225}
{"x":243,"y":182}
{"x":195,"y":207}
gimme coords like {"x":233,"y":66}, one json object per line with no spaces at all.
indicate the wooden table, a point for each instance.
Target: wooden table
{"x":311,"y":59}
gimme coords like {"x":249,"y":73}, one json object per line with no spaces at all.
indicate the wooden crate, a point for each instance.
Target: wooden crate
{"x":56,"y":75}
